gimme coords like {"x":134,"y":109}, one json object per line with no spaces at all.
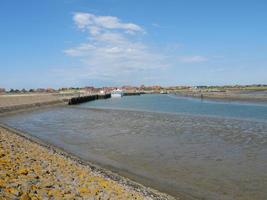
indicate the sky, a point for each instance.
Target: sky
{"x":79,"y":43}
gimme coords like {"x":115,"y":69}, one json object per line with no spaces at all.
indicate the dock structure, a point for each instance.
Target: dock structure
{"x":83,"y":99}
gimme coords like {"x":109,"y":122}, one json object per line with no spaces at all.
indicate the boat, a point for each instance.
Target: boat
{"x":163,"y":92}
{"x":117,"y":93}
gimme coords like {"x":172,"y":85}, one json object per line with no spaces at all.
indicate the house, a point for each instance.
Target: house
{"x":2,"y":90}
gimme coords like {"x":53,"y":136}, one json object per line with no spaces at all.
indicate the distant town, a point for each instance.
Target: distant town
{"x":142,"y":88}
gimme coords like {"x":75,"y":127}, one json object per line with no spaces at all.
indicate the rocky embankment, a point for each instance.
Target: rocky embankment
{"x":31,"y":171}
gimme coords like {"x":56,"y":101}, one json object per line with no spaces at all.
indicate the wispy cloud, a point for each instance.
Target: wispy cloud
{"x":192,"y":59}
{"x":157,"y":25}
{"x":96,"y":24}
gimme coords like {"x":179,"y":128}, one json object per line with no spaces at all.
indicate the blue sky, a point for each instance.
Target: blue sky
{"x":120,"y":42}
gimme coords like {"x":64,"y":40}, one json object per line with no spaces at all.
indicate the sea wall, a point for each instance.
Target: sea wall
{"x":15,"y":108}
{"x":132,"y":93}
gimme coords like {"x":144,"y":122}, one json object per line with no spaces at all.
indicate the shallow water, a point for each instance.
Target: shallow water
{"x":193,"y":156}
{"x":178,"y":104}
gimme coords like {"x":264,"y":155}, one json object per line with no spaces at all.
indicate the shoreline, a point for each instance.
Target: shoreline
{"x":225,"y":98}
{"x":144,"y":192}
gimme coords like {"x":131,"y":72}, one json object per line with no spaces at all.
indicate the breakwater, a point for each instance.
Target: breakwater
{"x":83,"y":99}
{"x":132,"y":93}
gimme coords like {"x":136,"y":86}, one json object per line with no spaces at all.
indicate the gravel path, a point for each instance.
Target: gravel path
{"x":30,"y":171}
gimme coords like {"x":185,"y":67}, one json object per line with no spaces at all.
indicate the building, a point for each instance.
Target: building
{"x":2,"y":90}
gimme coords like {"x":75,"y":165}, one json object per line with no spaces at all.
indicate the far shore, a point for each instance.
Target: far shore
{"x":12,"y":103}
{"x":242,"y":96}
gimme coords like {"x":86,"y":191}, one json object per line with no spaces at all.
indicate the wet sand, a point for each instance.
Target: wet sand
{"x":193,"y":157}
{"x":31,"y":171}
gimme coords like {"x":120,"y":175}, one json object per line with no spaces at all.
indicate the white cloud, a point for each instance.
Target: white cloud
{"x":95,"y":23}
{"x":156,"y":25}
{"x":192,"y":59}
{"x":81,"y":50}
{"x":114,"y":51}
{"x":110,"y":48}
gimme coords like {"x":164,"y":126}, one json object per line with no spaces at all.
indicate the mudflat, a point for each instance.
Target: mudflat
{"x":187,"y":156}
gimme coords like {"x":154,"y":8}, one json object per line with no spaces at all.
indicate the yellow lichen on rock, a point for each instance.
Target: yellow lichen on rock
{"x":23,"y":171}
{"x":25,"y":196}
{"x":29,"y":171}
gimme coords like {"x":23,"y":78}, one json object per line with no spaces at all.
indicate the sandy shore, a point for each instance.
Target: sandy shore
{"x":31,"y":171}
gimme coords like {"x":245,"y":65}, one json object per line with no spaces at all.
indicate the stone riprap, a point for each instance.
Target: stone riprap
{"x":31,"y":171}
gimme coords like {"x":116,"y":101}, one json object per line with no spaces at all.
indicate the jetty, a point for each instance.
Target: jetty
{"x":132,"y":93}
{"x":83,"y":99}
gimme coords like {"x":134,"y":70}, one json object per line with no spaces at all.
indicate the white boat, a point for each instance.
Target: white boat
{"x":117,"y":93}
{"x":163,"y":92}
